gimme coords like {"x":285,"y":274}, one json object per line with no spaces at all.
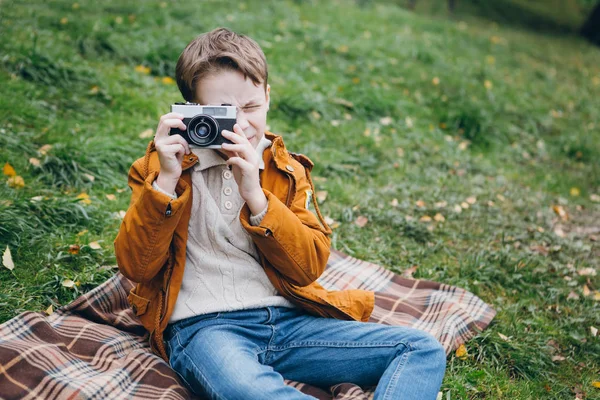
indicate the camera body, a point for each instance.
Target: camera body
{"x":204,"y":123}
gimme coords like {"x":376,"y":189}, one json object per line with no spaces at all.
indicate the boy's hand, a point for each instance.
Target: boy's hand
{"x":245,"y":161}
{"x":171,"y":150}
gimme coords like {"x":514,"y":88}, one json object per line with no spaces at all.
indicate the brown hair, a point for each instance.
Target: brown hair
{"x":220,"y":49}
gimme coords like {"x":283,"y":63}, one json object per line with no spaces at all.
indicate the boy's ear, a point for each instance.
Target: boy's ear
{"x":268,"y":94}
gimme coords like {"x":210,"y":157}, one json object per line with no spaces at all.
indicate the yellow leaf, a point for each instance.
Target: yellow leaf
{"x":596,"y":384}
{"x":9,"y":170}
{"x":321,"y":195}
{"x":167,"y":80}
{"x":490,"y":60}
{"x":75,"y":6}
{"x":435,"y":81}
{"x":575,"y":192}
{"x":50,"y":310}
{"x":487,"y":84}
{"x":439,"y":217}
{"x":68,"y":283}
{"x":94,"y":246}
{"x":596,"y":295}
{"x":420,"y":204}
{"x":94,"y":90}
{"x":34,"y":161}
{"x":464,"y":205}
{"x":315,"y":115}
{"x":83,"y":232}
{"x":7,"y":259}
{"x":343,"y":49}
{"x":74,"y":249}
{"x":356,"y":80}
{"x":85,"y":198}
{"x":361,"y":221}
{"x":142,"y":69}
{"x":111,"y":197}
{"x":64,"y":20}
{"x":560,"y":211}
{"x":586,"y":291}
{"x":461,"y":352}
{"x":16,"y":182}
{"x":425,"y":218}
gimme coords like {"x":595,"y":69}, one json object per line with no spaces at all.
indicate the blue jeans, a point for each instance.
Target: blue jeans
{"x":247,"y":354}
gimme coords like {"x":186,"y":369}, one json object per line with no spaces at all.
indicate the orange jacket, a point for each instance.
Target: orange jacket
{"x":293,"y":243}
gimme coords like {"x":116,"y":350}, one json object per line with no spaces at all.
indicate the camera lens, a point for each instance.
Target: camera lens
{"x":202,"y":130}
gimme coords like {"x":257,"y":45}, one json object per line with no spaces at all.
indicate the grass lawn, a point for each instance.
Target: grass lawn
{"x":471,"y":148}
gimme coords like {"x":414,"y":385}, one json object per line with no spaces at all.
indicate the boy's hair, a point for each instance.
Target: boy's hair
{"x":215,"y":51}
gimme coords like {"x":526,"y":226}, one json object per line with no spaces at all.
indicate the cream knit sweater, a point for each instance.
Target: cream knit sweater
{"x":222,"y":269}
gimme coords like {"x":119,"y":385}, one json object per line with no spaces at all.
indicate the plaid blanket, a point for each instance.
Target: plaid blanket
{"x":95,"y":348}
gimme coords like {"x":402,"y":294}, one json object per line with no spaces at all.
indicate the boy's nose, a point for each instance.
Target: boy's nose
{"x":242,"y":122}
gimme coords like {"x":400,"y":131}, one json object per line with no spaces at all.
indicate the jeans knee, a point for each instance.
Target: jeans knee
{"x":433,"y":350}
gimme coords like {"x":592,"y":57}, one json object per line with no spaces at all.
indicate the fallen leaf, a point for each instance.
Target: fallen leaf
{"x":573,"y":296}
{"x":593,"y":331}
{"x":74,"y":249}
{"x":361,"y":221}
{"x":441,"y":204}
{"x":142,"y":69}
{"x":596,"y":384}
{"x":68,"y":283}
{"x":94,"y":246}
{"x":44,"y":149}
{"x":34,"y":161}
{"x":122,"y":214}
{"x":596,"y":295}
{"x":560,"y":211}
{"x":90,"y":177}
{"x":487,"y":84}
{"x":503,"y":337}
{"x":463,"y":145}
{"x":587,"y":271}
{"x":7,"y":259}
{"x":595,"y":198}
{"x":586,"y":291}
{"x":50,"y":310}
{"x":385,"y":121}
{"x":167,"y":80}
{"x":472,"y":200}
{"x":83,"y":232}
{"x":394,"y":203}
{"x":435,"y":81}
{"x":439,"y":217}
{"x":84,"y":198}
{"x":425,"y":218}
{"x":409,"y":272}
{"x":16,"y":182}
{"x":400,"y":152}
{"x":420,"y":204}
{"x":148,"y":133}
{"x":558,"y":358}
{"x":464,"y":205}
{"x":461,"y":352}
{"x":36,"y":198}
{"x":321,"y":195}
{"x":574,"y":192}
{"x":342,"y":102}
{"x":111,"y":197}
{"x":9,"y":170}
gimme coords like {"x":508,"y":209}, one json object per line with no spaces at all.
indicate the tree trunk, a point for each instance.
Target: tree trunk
{"x":591,"y":28}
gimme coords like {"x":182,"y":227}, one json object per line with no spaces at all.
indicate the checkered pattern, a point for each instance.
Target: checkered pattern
{"x":95,"y":348}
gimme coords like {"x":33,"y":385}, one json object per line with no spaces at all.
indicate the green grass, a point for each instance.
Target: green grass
{"x":389,"y":104}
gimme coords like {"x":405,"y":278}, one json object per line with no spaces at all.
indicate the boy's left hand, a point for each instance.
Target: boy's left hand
{"x":245,"y":161}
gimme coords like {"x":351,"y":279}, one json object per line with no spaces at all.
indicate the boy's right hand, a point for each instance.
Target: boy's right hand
{"x":171,"y":150}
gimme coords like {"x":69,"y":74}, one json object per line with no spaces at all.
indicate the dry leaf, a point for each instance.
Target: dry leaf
{"x":463,"y":145}
{"x":441,"y":204}
{"x":68,"y":283}
{"x":94,"y":246}
{"x":461,"y":352}
{"x":148,"y":133}
{"x":385,"y":121}
{"x":560,"y":211}
{"x":394,"y":203}
{"x":16,"y":182}
{"x":574,"y":192}
{"x":36,"y":198}
{"x":143,"y":69}
{"x":34,"y":161}
{"x":409,"y":272}
{"x":50,"y":310}
{"x":596,"y":295}
{"x":472,"y":200}
{"x":83,"y":232}
{"x":439,"y":217}
{"x":420,"y":204}
{"x":44,"y":149}
{"x":457,"y":208}
{"x":7,"y":259}
{"x":361,"y":221}
{"x":558,"y":358}
{"x":321,"y":196}
{"x":74,"y":249}
{"x":595,"y":198}
{"x":122,"y":214}
{"x":111,"y":197}
{"x":593,"y":331}
{"x":596,"y":384}
{"x":586,"y":291}
{"x":503,"y":337}
{"x":573,"y":296}
{"x":167,"y":80}
{"x":425,"y":218}
{"x":587,"y":271}
{"x":90,"y":177}
{"x":9,"y":170}
{"x":400,"y":152}
{"x":464,"y":205}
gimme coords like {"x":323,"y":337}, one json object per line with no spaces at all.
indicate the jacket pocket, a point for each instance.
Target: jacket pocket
{"x":139,"y":304}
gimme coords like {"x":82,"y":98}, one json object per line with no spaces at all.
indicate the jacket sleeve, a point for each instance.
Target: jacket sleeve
{"x":144,"y":238}
{"x":294,"y":240}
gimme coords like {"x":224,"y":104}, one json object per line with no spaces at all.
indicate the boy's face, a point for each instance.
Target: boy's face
{"x":252,"y":102}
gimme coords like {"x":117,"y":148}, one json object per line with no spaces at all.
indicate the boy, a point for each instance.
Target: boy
{"x":226,"y":254}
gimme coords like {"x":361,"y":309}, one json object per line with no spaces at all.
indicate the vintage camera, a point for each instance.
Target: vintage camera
{"x":204,"y":123}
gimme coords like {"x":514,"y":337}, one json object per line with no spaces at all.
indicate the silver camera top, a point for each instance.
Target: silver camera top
{"x":190,"y":110}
